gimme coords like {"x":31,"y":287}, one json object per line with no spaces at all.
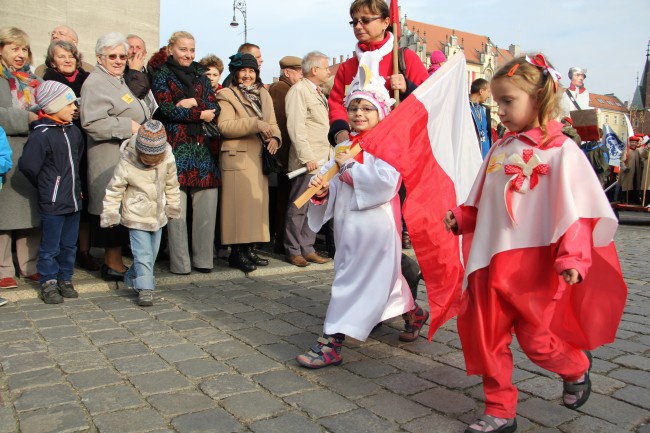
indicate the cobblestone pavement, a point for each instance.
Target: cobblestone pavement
{"x":216,"y":354}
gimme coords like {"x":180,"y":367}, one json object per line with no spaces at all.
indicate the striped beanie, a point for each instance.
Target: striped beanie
{"x":151,"y":139}
{"x":52,"y":96}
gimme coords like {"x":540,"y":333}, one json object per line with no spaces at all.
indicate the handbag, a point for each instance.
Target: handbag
{"x":269,"y":162}
{"x":210,"y":130}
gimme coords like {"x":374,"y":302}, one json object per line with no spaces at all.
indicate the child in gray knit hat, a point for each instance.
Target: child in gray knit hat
{"x":142,"y":195}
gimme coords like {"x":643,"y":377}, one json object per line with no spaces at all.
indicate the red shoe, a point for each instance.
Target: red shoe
{"x":8,"y":283}
{"x":34,"y":277}
{"x":413,"y":322}
{"x":326,"y":351}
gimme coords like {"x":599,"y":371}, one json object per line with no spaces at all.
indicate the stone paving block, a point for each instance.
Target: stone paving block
{"x":455,"y":359}
{"x":435,"y":423}
{"x":253,"y":364}
{"x":7,"y":350}
{"x":156,"y":383}
{"x":320,"y":403}
{"x":15,"y":325}
{"x":404,"y":383}
{"x":635,"y":395}
{"x":423,"y":347}
{"x":146,"y":326}
{"x":181,"y":402}
{"x":132,"y":421}
{"x":605,"y":385}
{"x":87,"y":315}
{"x":630,"y":346}
{"x":48,"y":311}
{"x":50,"y":334}
{"x":203,"y":337}
{"x":67,"y":346}
{"x":602,"y":366}
{"x":606,"y":353}
{"x":633,"y":377}
{"x":110,"y":399}
{"x":281,"y":327}
{"x":411,"y":362}
{"x":202,"y":368}
{"x":180,"y":352}
{"x":124,"y":350}
{"x":27,"y":362}
{"x":285,"y":423}
{"x":189,"y":325}
{"x":549,"y":414}
{"x":75,"y":362}
{"x":226,"y":385}
{"x":282,"y":382}
{"x":229,"y":349}
{"x":234,"y":308}
{"x":140,"y":364}
{"x":94,"y":378}
{"x":11,"y":315}
{"x":35,"y":378}
{"x":253,"y":406}
{"x":255,"y":336}
{"x":544,"y":387}
{"x":445,"y":401}
{"x":130,"y":315}
{"x":53,"y":322}
{"x":209,"y":421}
{"x":110,"y":336}
{"x":450,"y":377}
{"x":162,"y":339}
{"x":634,"y":361}
{"x":281,"y":352}
{"x":43,"y":397}
{"x":632,"y":327}
{"x":13,"y":336}
{"x":587,"y":424}
{"x":273,"y":308}
{"x":100,"y":325}
{"x":358,"y":421}
{"x":7,"y":422}
{"x":393,"y":406}
{"x":369,"y":368}
{"x":59,"y":419}
{"x":173,"y":316}
{"x":644,"y":428}
{"x":254,"y":316}
{"x":345,"y":383}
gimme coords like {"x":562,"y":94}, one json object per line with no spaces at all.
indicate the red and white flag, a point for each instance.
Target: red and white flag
{"x":394,"y":17}
{"x":430,"y":139}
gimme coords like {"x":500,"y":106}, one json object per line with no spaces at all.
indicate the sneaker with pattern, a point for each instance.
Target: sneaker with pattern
{"x":67,"y":290}
{"x":326,"y":351}
{"x":50,"y":292}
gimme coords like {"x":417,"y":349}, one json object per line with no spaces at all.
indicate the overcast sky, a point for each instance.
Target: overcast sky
{"x":606,"y":37}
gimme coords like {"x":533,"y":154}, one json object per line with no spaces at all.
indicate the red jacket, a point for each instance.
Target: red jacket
{"x":416,"y":73}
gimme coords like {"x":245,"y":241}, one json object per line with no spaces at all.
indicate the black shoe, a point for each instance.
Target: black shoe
{"x":50,"y":292}
{"x":254,"y":258}
{"x":203,"y":270}
{"x":239,"y":260}
{"x":67,"y":290}
{"x":110,"y":274}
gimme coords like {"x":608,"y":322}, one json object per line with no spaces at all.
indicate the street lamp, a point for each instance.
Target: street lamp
{"x":239,"y":5}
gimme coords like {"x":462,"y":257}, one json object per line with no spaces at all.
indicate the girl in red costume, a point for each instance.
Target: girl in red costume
{"x":542,"y":263}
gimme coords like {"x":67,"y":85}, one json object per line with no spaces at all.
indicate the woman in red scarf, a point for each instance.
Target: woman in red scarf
{"x":19,"y":215}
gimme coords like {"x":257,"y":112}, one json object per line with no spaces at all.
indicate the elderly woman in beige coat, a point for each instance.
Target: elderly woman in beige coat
{"x":110,"y":114}
{"x":247,"y":124}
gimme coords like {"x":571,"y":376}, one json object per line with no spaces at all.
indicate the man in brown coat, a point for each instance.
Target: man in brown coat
{"x":290,"y":74}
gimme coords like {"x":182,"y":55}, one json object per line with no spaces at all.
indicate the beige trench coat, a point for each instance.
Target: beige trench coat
{"x":244,"y":189}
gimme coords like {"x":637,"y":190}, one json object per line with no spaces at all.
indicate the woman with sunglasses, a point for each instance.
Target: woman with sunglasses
{"x":110,"y":114}
{"x":370,"y":21}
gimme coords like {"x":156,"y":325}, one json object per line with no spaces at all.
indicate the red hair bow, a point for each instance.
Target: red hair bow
{"x":540,"y":61}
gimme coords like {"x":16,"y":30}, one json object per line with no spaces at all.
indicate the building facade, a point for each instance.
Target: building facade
{"x":90,"y":19}
{"x":640,"y":105}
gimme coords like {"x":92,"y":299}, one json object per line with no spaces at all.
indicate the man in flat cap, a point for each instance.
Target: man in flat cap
{"x":290,"y":74}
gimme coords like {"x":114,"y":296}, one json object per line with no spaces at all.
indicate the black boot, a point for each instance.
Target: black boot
{"x":250,"y":254}
{"x":239,"y":260}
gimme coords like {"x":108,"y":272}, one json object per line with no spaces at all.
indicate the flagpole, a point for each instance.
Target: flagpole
{"x":395,"y":61}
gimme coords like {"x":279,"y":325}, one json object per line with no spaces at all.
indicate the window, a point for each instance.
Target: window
{"x":609,"y":102}
{"x":607,"y":118}
{"x":600,"y":100}
{"x":615,"y":120}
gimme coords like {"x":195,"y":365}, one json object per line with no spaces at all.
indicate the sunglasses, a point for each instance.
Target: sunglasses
{"x":115,"y":56}
{"x":363,"y":20}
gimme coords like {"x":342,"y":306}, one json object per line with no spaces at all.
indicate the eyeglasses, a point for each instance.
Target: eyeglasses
{"x":115,"y":56}
{"x":364,"y":110}
{"x":363,"y":20}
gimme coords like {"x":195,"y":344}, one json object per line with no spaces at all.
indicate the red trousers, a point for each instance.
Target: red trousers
{"x":539,"y":344}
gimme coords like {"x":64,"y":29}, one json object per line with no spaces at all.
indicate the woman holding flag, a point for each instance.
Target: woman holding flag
{"x":370,"y":21}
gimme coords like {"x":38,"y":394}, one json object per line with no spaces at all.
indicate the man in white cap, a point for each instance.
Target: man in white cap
{"x":576,"y":96}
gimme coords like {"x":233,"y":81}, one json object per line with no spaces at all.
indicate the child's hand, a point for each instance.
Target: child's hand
{"x":342,"y":157}
{"x":317,"y":181}
{"x":450,"y":221}
{"x":571,"y":276}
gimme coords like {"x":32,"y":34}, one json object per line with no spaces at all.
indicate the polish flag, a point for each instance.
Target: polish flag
{"x":394,"y":18}
{"x":430,"y":139}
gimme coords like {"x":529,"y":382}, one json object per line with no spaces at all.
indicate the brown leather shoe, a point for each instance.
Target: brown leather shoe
{"x":298,"y":261}
{"x":313,"y":257}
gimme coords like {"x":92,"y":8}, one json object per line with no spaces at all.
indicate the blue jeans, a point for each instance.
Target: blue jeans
{"x":58,"y":246}
{"x":144,"y":246}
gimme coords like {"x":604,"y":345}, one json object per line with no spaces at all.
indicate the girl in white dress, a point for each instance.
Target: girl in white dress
{"x":368,"y":285}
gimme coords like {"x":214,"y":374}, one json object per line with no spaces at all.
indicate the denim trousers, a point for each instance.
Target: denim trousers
{"x":58,"y":249}
{"x":144,"y":246}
